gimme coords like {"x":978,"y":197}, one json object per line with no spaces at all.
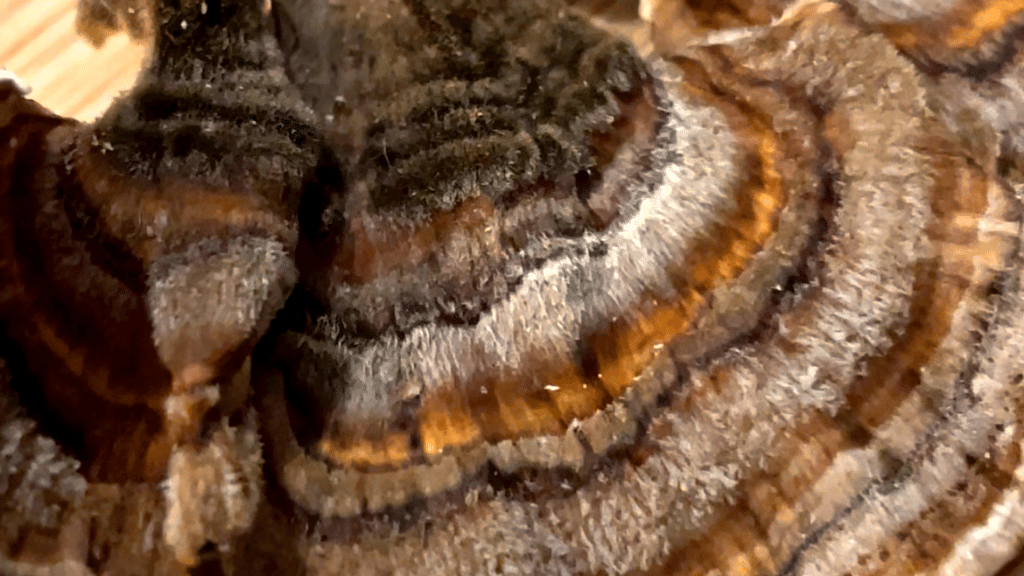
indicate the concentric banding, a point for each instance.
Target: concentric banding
{"x":972,"y":51}
{"x":141,"y":258}
{"x":818,"y":371}
{"x":916,"y":227}
{"x":571,"y":362}
{"x":971,"y":37}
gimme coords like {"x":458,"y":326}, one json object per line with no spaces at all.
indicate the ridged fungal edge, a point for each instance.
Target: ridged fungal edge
{"x":471,"y":287}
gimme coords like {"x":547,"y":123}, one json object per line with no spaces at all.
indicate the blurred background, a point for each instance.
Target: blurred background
{"x":67,"y":74}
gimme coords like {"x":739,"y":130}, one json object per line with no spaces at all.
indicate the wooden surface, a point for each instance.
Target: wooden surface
{"x":66,"y":73}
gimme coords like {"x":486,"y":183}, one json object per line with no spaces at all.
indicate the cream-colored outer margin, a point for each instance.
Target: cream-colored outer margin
{"x":998,"y":539}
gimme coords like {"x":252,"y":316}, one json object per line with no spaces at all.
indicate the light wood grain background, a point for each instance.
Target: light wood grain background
{"x":67,"y":74}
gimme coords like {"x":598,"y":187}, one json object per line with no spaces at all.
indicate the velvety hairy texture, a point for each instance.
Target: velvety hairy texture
{"x":721,"y":443}
{"x":612,"y":287}
{"x":215,"y":106}
{"x":38,"y":482}
{"x":484,"y":115}
{"x":143,"y":256}
{"x":473,"y":99}
{"x":978,"y":69}
{"x":477,"y":107}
